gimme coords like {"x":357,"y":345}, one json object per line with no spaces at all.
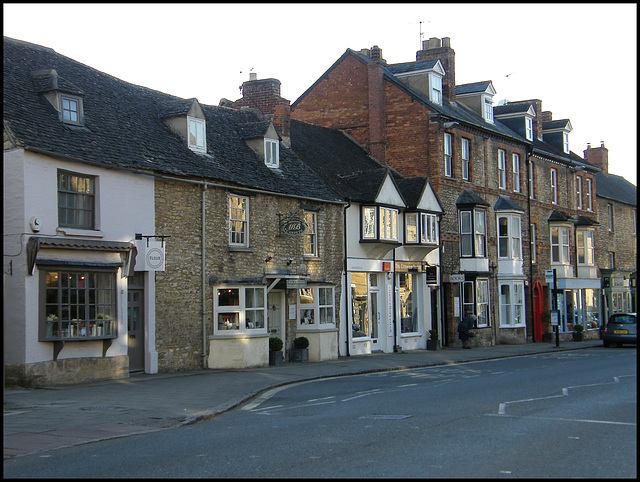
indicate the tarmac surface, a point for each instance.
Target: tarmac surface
{"x":47,"y":418}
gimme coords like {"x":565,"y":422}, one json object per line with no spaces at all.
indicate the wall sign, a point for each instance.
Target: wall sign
{"x":150,"y":255}
{"x":290,"y":224}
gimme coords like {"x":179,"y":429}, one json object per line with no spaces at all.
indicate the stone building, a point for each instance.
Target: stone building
{"x":148,"y":232}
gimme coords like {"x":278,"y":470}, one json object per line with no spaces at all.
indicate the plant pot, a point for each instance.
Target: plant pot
{"x":432,"y":345}
{"x":276,"y":357}
{"x":577,"y":336}
{"x":299,"y":354}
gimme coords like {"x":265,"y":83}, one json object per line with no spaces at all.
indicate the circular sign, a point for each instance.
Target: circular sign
{"x":155,"y":257}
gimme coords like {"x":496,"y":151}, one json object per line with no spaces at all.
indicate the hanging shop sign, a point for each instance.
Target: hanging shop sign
{"x":150,"y":255}
{"x":290,"y":224}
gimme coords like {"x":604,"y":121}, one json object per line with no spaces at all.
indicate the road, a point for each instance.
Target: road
{"x":566,"y":414}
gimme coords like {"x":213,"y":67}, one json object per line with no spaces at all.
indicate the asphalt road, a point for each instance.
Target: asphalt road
{"x":567,"y":414}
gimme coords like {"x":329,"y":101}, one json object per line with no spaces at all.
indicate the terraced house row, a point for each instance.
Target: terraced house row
{"x":143,"y":231}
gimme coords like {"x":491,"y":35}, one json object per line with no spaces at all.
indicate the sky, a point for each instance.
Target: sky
{"x":580,"y":60}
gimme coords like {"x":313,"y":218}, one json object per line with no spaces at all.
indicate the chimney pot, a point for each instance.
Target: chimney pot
{"x":601,"y":143}
{"x":253,"y":76}
{"x":446,"y":42}
{"x":588,"y":145}
{"x":376,"y":53}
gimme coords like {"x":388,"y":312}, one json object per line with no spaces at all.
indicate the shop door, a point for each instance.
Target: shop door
{"x":275,"y":315}
{"x":135,"y":321}
{"x":374,"y":297}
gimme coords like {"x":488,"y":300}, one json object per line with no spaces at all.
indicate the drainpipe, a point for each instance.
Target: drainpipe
{"x":529,"y":194}
{"x":396,"y":348}
{"x":346,"y":285}
{"x":204,"y":281}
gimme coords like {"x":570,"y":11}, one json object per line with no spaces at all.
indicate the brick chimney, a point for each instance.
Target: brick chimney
{"x":440,"y":49}
{"x":377,"y":121}
{"x":265,"y":95}
{"x":598,"y":156}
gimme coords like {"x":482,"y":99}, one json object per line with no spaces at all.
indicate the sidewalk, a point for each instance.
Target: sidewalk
{"x":40,"y":419}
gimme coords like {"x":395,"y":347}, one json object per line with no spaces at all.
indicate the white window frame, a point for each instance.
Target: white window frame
{"x":534,"y":244}
{"x":554,"y":185}
{"x":528,"y":121}
{"x":610,"y":217}
{"x":465,"y":148}
{"x":512,"y":312}
{"x":411,"y":228}
{"x":448,"y":155}
{"x":67,"y":113}
{"x":369,"y":222}
{"x":482,"y":303}
{"x":316,"y":307}
{"x":560,"y":246}
{"x":238,"y":315}
{"x":588,"y":194}
{"x":532,"y":182}
{"x":578,"y":192}
{"x":272,"y":153}
{"x":473,"y":229}
{"x":388,"y":225}
{"x":435,"y":88}
{"x":502,"y":169}
{"x":488,"y":110}
{"x":238,"y":237}
{"x":516,"y":171}
{"x":585,"y":239}
{"x":565,"y":142}
{"x":77,"y":200}
{"x":197,"y":134}
{"x":428,"y":228}
{"x":509,"y":241}
{"x":310,"y":237}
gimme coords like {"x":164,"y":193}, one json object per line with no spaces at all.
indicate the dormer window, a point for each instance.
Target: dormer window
{"x":435,"y":88}
{"x":488,"y":110}
{"x":271,"y":153}
{"x":565,"y":142}
{"x":70,"y":109}
{"x":197,"y":134}
{"x":528,"y":128}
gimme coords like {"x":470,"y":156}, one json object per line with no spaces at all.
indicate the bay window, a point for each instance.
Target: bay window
{"x":316,"y":307}
{"x":421,"y":228}
{"x":585,"y":242}
{"x":473,"y":233}
{"x":509,"y":236}
{"x":379,"y":223}
{"x":78,"y":305}
{"x":560,"y":245}
{"x":240,"y":310}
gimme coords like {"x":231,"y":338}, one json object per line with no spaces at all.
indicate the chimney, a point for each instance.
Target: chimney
{"x":440,"y":49}
{"x":265,"y":95}
{"x":598,"y":156}
{"x":375,"y":77}
{"x":546,"y":116}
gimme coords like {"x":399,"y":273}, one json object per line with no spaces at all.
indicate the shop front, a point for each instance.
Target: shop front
{"x":578,"y":303}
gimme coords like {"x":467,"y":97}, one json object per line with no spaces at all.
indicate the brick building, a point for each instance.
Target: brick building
{"x":617,"y":243}
{"x":413,"y":118}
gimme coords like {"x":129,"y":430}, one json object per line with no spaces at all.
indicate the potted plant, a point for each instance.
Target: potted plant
{"x":577,"y":332}
{"x":300,"y":349}
{"x":276,"y":357}
{"x":432,"y":342}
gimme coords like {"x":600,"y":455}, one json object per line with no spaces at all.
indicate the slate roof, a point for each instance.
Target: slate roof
{"x":123,"y":128}
{"x":505,"y":203}
{"x":514,"y":108}
{"x":470,"y":198}
{"x":411,"y":67}
{"x":555,"y":124}
{"x":453,"y":111}
{"x":616,"y":188}
{"x":473,"y":88}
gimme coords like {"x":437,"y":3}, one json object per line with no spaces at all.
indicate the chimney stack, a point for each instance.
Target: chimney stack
{"x":598,"y":156}
{"x":440,"y":49}
{"x":264,"y":95}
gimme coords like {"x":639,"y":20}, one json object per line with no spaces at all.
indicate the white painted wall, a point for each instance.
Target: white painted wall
{"x":125,"y":206}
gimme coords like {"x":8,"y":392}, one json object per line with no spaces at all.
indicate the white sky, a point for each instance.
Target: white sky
{"x":579,"y":59}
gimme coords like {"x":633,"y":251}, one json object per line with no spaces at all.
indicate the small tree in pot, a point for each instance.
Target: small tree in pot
{"x":432,"y":342}
{"x":300,"y":349}
{"x":275,"y":351}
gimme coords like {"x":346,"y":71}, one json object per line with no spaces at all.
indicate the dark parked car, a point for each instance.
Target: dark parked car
{"x":620,"y":329}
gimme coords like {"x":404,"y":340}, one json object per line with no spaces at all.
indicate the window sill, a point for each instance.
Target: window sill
{"x":238,"y":334}
{"x":87,"y":233}
{"x":240,"y":249}
{"x":81,"y":339}
{"x":320,"y":329}
{"x":512,"y":326}
{"x":413,"y":334}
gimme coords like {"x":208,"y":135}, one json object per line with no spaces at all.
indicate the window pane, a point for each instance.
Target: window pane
{"x":228,"y":321}
{"x":369,"y":223}
{"x":360,"y":306}
{"x":229,"y":297}
{"x":408,"y":307}
{"x":411,"y":220}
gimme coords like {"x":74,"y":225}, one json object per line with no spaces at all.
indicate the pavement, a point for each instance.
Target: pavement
{"x":47,"y":418}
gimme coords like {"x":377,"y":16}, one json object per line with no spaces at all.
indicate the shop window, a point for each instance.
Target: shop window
{"x":408,"y":285}
{"x":512,"y":304}
{"x":475,"y":300}
{"x":316,"y":307}
{"x":240,"y":310}
{"x":76,"y":200}
{"x":79,"y":305}
{"x":360,"y":306}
